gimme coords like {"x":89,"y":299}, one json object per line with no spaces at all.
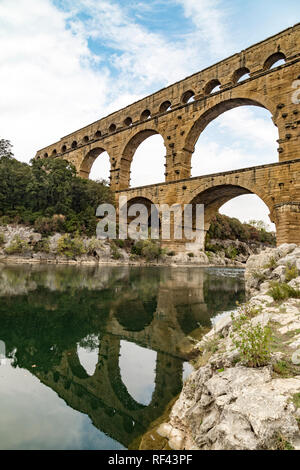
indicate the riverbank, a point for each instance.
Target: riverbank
{"x":23,"y":245}
{"x":245,"y":391}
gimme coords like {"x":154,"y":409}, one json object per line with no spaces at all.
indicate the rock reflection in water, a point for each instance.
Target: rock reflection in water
{"x":71,"y":322}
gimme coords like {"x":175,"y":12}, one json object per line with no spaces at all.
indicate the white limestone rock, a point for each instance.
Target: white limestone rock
{"x":295,"y":283}
{"x":238,"y":409}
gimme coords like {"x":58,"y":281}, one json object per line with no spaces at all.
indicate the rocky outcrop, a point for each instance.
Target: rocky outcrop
{"x":270,"y":265}
{"x":236,"y":409}
{"x":225,"y":403}
{"x":232,"y":251}
{"x":229,"y":253}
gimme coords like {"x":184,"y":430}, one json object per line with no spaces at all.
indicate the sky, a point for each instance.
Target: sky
{"x":67,"y":63}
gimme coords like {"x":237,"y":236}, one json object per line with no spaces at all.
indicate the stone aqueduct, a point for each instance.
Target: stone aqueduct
{"x":104,"y":396}
{"x":180,"y":112}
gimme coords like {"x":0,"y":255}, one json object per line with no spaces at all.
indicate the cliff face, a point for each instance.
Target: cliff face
{"x":245,"y":391}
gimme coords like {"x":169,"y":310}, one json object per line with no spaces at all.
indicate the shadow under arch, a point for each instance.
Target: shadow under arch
{"x":150,"y":206}
{"x":135,"y":314}
{"x":273,"y":60}
{"x":88,"y":161}
{"x":215,"y":111}
{"x":129,"y":151}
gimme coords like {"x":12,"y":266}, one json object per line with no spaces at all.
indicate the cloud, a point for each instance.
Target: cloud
{"x":137,"y":55}
{"x":255,"y":126}
{"x":48,"y":84}
{"x":210,"y":18}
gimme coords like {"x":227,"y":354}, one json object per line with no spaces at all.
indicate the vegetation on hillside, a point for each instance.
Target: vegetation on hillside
{"x":228,"y":228}
{"x":48,"y":194}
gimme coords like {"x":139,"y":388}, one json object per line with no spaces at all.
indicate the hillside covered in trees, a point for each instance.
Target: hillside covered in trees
{"x":227,"y":228}
{"x":48,"y":195}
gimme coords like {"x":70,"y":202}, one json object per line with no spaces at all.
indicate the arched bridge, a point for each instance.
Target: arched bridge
{"x":265,"y":75}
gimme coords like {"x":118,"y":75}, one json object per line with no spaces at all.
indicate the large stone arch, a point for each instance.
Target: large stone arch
{"x":88,"y":160}
{"x":215,"y":196}
{"x":150,"y":205}
{"x":75,"y":365}
{"x":223,"y":102}
{"x":115,"y":378}
{"x":129,"y":150}
{"x":133,"y":314}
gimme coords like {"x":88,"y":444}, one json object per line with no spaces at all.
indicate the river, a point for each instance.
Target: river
{"x":91,"y":356}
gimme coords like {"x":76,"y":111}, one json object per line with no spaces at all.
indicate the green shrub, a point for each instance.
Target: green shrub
{"x":70,"y":247}
{"x":271,"y":263}
{"x":151,"y":250}
{"x":120,"y":243}
{"x":258,"y":275}
{"x":283,"y":368}
{"x":137,"y":248}
{"x":252,"y":342}
{"x":42,"y":245}
{"x":115,"y":254}
{"x":191,"y":255}
{"x":171,"y":253}
{"x":49,"y":225}
{"x":214,"y":248}
{"x":282,"y":291}
{"x":296,"y":400}
{"x":231,"y":252}
{"x":282,"y":443}
{"x":212,"y":345}
{"x":5,"y":220}
{"x":17,"y":246}
{"x":93,"y":245}
{"x":2,"y":239}
{"x":291,"y":272}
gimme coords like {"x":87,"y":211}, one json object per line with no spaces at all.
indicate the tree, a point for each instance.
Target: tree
{"x":14,"y":177}
{"x":5,"y":148}
{"x":49,"y":194}
{"x":259,"y":224}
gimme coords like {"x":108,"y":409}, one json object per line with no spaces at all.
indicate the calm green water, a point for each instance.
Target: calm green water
{"x":91,"y":356}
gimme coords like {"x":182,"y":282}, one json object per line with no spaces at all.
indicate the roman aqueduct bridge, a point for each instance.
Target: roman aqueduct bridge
{"x":180,"y":112}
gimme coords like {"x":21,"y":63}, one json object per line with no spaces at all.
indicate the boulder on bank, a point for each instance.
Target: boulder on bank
{"x":236,"y":409}
{"x":270,"y":265}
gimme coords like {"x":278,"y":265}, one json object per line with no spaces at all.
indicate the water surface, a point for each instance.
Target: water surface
{"x":92,"y":356}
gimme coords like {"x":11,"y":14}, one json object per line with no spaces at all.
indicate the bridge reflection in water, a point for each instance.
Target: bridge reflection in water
{"x":48,"y":314}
